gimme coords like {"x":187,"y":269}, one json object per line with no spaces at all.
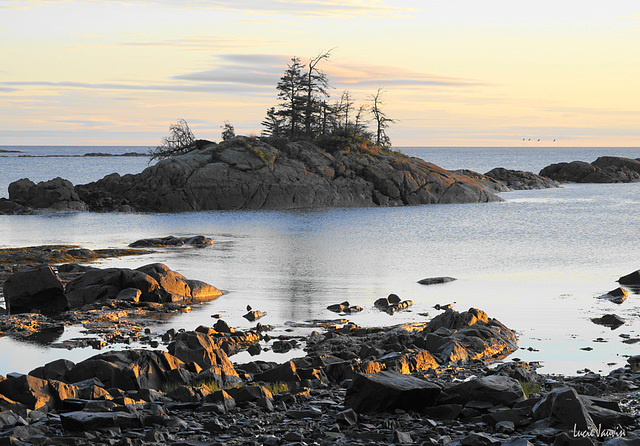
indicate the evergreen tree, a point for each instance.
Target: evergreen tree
{"x":291,"y":94}
{"x":273,"y":125}
{"x":315,"y":87}
{"x":381,"y":120}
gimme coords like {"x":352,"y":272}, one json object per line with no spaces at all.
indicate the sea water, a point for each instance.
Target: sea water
{"x":537,"y":261}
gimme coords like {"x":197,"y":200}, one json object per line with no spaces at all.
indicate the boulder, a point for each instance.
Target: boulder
{"x":388,"y":390}
{"x":564,"y":408}
{"x":155,"y":282}
{"x":132,"y":370}
{"x":58,"y":194}
{"x":198,"y":347}
{"x":284,"y":373}
{"x":35,"y":393}
{"x":519,"y":180}
{"x":35,"y":290}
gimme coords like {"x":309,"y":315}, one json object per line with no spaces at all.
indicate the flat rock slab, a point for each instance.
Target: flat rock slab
{"x":436,"y":280}
{"x":89,"y":421}
{"x":387,"y":391}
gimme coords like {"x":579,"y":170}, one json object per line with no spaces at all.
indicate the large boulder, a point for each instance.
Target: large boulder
{"x":58,"y":194}
{"x":564,"y":408}
{"x":156,"y":282}
{"x":131,"y":370}
{"x":251,"y":174}
{"x":35,"y":290}
{"x":193,"y":346}
{"x":388,"y":390}
{"x":36,"y":393}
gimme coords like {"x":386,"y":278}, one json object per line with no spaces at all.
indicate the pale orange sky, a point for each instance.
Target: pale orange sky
{"x":459,"y":73}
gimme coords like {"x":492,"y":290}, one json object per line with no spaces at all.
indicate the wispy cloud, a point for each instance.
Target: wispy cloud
{"x":328,"y":8}
{"x":192,"y":43}
{"x":8,"y":89}
{"x":189,"y":88}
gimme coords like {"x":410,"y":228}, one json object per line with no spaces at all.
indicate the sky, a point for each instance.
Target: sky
{"x":506,"y":73}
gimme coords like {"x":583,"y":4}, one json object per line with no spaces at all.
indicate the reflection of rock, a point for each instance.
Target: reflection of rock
{"x":609,"y":320}
{"x":616,"y":296}
{"x":35,"y":290}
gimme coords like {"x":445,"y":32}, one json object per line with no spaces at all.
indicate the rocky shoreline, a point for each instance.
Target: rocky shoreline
{"x":443,"y":382}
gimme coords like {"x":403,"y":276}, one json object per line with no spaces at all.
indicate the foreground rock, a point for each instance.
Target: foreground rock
{"x":141,"y":397}
{"x":251,"y":174}
{"x":36,"y":290}
{"x":605,"y":169}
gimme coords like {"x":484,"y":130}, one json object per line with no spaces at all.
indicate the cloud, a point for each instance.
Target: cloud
{"x":324,"y":8}
{"x":8,"y":89}
{"x":192,"y":43}
{"x":265,"y":70}
{"x":187,"y":88}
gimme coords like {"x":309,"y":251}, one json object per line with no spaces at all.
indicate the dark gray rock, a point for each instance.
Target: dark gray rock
{"x":563,"y":407}
{"x":35,"y":290}
{"x":196,"y":240}
{"x":387,"y":391}
{"x":519,"y":180}
{"x":495,"y":389}
{"x":91,"y":421}
{"x":609,"y":320}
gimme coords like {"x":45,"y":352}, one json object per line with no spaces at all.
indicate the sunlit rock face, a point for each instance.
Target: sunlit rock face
{"x":251,"y":174}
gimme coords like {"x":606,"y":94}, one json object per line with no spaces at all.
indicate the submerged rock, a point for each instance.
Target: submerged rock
{"x":609,"y":320}
{"x":616,"y":296}
{"x":197,"y":240}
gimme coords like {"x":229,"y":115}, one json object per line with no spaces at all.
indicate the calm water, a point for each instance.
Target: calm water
{"x":536,"y":262}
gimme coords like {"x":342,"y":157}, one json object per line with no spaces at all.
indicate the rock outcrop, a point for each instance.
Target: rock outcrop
{"x":606,"y":169}
{"x":156,"y":282}
{"x":251,"y":174}
{"x":35,"y":290}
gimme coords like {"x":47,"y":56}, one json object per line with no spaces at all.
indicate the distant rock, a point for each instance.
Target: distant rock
{"x":197,"y":240}
{"x":520,"y":180}
{"x":435,"y":280}
{"x":606,"y":169}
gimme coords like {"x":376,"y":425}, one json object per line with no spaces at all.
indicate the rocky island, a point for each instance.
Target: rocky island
{"x":246,"y":173}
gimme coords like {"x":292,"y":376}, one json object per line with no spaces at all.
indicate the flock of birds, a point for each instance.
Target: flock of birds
{"x":525,"y":139}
